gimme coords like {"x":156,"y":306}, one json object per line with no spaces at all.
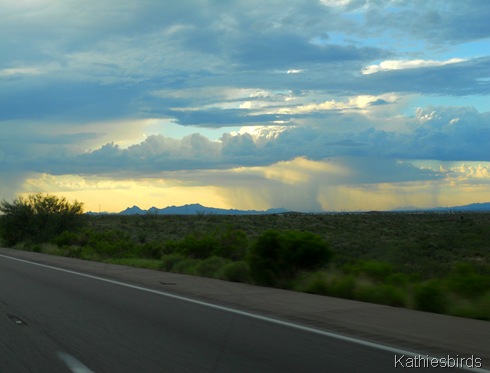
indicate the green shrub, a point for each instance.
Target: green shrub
{"x":169,"y":261}
{"x":376,"y":270}
{"x":277,"y":257}
{"x":72,"y":251}
{"x":149,"y":250}
{"x":315,"y":283}
{"x":111,"y":243}
{"x":430,"y":297}
{"x":343,"y":287}
{"x":235,"y":271}
{"x":89,"y":253}
{"x":209,"y":267}
{"x":187,"y":266}
{"x":232,"y":244}
{"x":398,"y":279}
{"x":195,"y":246}
{"x":466,"y":282}
{"x":67,"y":238}
{"x":36,"y":248}
{"x":477,"y":309}
{"x":228,"y":243}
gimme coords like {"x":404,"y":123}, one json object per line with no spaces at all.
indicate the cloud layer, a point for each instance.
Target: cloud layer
{"x":246,"y":90}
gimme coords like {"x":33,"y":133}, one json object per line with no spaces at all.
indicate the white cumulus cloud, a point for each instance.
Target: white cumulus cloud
{"x":407,"y":64}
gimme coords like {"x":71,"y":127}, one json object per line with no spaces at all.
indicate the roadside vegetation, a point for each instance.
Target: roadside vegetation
{"x":430,"y":262}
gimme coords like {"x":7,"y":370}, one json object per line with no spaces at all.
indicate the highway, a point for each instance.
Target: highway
{"x":62,"y":321}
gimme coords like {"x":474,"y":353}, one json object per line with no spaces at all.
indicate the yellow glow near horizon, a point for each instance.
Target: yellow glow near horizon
{"x":116,"y":195}
{"x":299,"y":184}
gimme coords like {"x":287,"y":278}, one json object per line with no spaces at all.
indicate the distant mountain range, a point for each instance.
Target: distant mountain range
{"x":197,"y":209}
{"x":473,"y":207}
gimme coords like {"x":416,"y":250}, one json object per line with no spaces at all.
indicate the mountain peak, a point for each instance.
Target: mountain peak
{"x":196,"y":208}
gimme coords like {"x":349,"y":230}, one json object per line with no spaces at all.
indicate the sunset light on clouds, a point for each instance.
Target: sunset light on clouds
{"x":309,"y":105}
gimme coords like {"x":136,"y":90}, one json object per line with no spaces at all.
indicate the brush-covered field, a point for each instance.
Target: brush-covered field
{"x":426,"y":261}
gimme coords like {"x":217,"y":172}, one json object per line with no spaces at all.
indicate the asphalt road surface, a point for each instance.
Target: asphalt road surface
{"x":60,"y":321}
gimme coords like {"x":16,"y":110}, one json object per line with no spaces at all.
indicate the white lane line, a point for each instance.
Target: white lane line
{"x":361,"y":342}
{"x":73,"y":364}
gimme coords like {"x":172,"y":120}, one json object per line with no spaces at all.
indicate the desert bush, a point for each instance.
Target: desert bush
{"x":400,"y":279}
{"x":378,"y":271}
{"x":237,"y":271}
{"x":169,"y":261}
{"x":233,"y":243}
{"x":67,"y":238}
{"x":107,"y":244}
{"x":430,"y":296}
{"x":314,"y":283}
{"x":227,"y":243}
{"x":187,"y":266}
{"x":209,"y":267}
{"x":343,"y":287}
{"x":466,"y":282}
{"x":149,"y":250}
{"x":38,"y":218}
{"x":197,"y":246}
{"x":72,"y":251}
{"x":477,"y":309}
{"x":277,"y":257}
{"x":335,"y":284}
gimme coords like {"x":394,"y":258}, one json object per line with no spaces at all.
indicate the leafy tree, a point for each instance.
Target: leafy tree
{"x":38,"y":218}
{"x":277,"y":257}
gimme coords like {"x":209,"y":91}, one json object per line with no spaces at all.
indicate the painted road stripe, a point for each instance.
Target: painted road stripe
{"x":73,"y":364}
{"x":361,"y":342}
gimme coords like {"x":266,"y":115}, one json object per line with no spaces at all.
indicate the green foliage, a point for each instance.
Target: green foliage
{"x":277,"y":257}
{"x":466,"y":282}
{"x":378,"y":271}
{"x":67,"y":238}
{"x":232,"y":243}
{"x":343,"y":287}
{"x":169,"y":261}
{"x":38,"y":218}
{"x":314,"y":283}
{"x":209,"y":267}
{"x":235,"y":271}
{"x":113,"y":243}
{"x":149,"y":250}
{"x":478,"y":309}
{"x":198,"y":247}
{"x":430,"y":297}
{"x":228,"y":243}
{"x":187,"y":266}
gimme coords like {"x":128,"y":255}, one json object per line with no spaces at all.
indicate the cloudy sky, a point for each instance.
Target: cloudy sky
{"x":309,"y":105}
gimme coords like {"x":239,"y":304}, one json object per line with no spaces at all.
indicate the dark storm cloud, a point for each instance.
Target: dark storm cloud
{"x":446,"y":134}
{"x":76,"y":102}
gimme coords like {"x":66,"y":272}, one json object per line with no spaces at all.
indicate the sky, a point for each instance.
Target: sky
{"x":308,"y":105}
